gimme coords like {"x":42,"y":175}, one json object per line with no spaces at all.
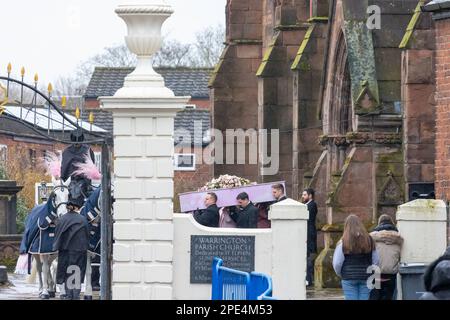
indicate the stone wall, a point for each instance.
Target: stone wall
{"x":274,"y":255}
{"x":418,"y":87}
{"x":234,"y":93}
{"x":9,"y":250}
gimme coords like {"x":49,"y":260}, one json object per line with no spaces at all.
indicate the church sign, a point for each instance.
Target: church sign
{"x":237,"y":252}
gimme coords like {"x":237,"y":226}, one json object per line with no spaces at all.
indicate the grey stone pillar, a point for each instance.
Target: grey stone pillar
{"x":8,"y":206}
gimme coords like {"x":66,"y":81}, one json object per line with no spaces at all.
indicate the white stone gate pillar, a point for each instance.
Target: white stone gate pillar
{"x":289,"y":238}
{"x":144,"y":111}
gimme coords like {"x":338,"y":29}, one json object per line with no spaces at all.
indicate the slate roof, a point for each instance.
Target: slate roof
{"x":437,"y":5}
{"x":102,"y":118}
{"x":187,"y":127}
{"x":192,"y":82}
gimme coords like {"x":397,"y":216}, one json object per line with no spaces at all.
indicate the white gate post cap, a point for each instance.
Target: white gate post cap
{"x":288,"y":209}
{"x":422,"y":210}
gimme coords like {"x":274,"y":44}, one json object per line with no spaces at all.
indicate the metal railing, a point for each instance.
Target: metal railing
{"x":230,"y":284}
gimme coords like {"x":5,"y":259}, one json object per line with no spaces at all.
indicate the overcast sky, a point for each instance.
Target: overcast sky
{"x":51,"y":37}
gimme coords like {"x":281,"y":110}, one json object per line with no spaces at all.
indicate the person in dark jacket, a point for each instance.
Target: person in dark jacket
{"x":278,"y":192}
{"x":308,"y":199}
{"x":72,"y":243}
{"x":437,"y":279}
{"x":210,"y":216}
{"x":245,"y":214}
{"x":353,"y":255}
{"x":79,"y":186}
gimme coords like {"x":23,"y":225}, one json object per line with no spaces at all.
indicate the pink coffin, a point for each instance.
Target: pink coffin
{"x":258,"y":193}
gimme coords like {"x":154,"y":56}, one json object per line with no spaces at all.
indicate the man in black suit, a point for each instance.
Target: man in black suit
{"x":210,"y":216}
{"x":278,"y":192}
{"x":245,"y":214}
{"x":308,"y":199}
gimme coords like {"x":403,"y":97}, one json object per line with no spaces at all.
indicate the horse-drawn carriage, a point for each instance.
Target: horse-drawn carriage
{"x":39,"y":236}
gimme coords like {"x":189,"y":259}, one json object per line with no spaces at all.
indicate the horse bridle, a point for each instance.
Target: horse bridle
{"x":62,"y":187}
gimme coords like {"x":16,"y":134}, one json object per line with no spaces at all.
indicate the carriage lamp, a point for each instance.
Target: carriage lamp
{"x":43,"y":191}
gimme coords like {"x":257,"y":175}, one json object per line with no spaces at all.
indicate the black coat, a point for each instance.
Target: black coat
{"x":208,"y":217}
{"x":437,"y":279}
{"x":74,"y":155}
{"x":71,"y":233}
{"x":246,"y":218}
{"x":385,"y":227}
{"x":312,"y":230}
{"x":282,"y":199}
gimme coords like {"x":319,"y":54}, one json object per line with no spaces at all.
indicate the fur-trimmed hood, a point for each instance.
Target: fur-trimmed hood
{"x":387,"y":237}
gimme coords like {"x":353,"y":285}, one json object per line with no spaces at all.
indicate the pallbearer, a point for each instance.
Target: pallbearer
{"x":72,"y":243}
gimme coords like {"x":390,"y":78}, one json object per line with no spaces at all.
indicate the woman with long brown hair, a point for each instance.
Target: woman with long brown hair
{"x":353,"y":256}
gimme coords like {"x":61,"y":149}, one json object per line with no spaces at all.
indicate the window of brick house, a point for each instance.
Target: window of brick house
{"x":32,"y":156}
{"x":3,"y":153}
{"x":184,"y":162}
{"x":98,"y":160}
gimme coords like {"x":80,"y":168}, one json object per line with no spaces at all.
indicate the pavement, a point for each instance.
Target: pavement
{"x":19,"y":289}
{"x":324,"y":294}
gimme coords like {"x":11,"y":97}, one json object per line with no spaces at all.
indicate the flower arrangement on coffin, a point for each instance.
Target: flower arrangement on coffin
{"x":226,"y":182}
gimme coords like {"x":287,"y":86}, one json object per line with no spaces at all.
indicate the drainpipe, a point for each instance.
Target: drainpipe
{"x":448,"y":224}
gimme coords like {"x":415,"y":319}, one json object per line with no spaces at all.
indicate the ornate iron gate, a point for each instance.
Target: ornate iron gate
{"x":32,"y":115}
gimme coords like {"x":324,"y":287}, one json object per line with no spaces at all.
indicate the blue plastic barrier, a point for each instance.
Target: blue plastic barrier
{"x":230,"y":284}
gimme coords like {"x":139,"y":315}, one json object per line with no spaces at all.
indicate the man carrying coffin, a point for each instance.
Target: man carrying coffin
{"x":210,"y":216}
{"x":245,"y":214}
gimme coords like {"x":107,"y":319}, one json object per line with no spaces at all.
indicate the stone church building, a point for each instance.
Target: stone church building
{"x":353,"y":103}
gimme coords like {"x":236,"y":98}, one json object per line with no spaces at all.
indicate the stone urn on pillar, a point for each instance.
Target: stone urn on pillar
{"x":143,"y":112}
{"x":144,"y":22}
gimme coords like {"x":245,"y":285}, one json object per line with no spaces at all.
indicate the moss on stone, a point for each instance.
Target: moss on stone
{"x":217,"y":68}
{"x":318,"y":19}
{"x":431,"y":204}
{"x":391,"y":157}
{"x":9,"y":263}
{"x":339,"y":227}
{"x":324,"y":275}
{"x":267,"y":56}
{"x":412,"y":25}
{"x":296,"y":65}
{"x":362,"y":66}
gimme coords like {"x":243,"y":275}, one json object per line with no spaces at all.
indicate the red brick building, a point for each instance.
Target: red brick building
{"x":441,"y":17}
{"x":191,"y":172}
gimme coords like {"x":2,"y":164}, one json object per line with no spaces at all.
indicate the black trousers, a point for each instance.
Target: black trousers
{"x":387,"y":288}
{"x":310,"y":268}
{"x":95,"y":277}
{"x":71,"y":266}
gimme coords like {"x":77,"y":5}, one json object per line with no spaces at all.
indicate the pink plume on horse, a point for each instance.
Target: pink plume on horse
{"x":52,"y":164}
{"x":88,"y":169}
